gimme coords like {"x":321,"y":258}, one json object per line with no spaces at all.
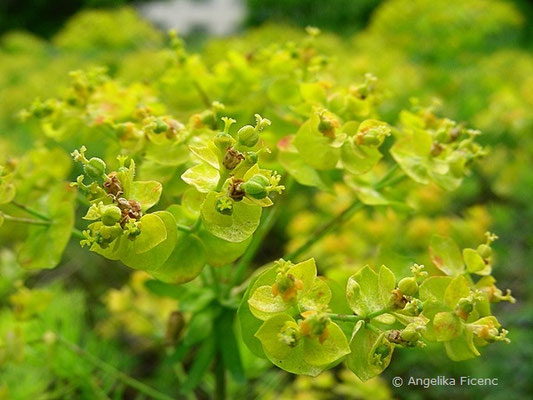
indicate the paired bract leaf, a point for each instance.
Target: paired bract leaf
{"x":456,"y":290}
{"x":332,"y":349}
{"x":290,"y":359}
{"x":431,"y":292}
{"x":237,"y":227}
{"x":356,"y":156}
{"x":264,"y":303}
{"x":202,"y":176}
{"x":317,"y":297}
{"x":359,"y":159}
{"x":185,"y":262}
{"x":153,"y":232}
{"x":308,"y":356}
{"x":220,"y":252}
{"x":205,"y":154}
{"x":152,"y":259}
{"x":294,"y":163}
{"x":446,"y":255}
{"x":44,"y":246}
{"x":248,"y":323}
{"x":447,"y":326}
{"x":368,"y":291}
{"x":371,"y":352}
{"x":314,"y":147}
{"x":475,"y":263}
{"x":462,"y":347}
{"x":147,"y":193}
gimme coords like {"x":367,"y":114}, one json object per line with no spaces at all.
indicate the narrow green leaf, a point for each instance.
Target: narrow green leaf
{"x":201,"y":363}
{"x":227,"y":345}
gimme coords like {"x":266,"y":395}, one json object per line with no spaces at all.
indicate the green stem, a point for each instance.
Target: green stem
{"x":202,"y":93}
{"x":387,"y":177}
{"x":31,"y":211}
{"x":387,"y":180}
{"x":111,"y":370}
{"x":326,"y":229}
{"x":377,"y":313}
{"x":267,"y":221}
{"x":391,"y":182}
{"x":373,"y":328}
{"x":25,"y":220}
{"x":220,"y":379}
{"x":26,"y":343}
{"x":197,"y":225}
{"x":345,"y":318}
{"x":355,"y":318}
{"x":224,"y":175}
{"x":184,"y":228}
{"x":214,"y":278}
{"x":83,"y":200}
{"x":77,"y":234}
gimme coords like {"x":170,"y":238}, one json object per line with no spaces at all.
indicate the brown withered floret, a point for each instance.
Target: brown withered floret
{"x":131,"y":209}
{"x":113,"y":185}
{"x":395,"y":336}
{"x":436,"y":149}
{"x":175,"y":325}
{"x":455,"y":133}
{"x":400,"y":301}
{"x":232,"y":158}
{"x":235,"y":191}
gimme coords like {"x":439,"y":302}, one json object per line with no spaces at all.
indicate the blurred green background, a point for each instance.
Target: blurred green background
{"x":475,"y":56}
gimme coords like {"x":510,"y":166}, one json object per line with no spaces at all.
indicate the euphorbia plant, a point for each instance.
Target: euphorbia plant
{"x":169,"y":186}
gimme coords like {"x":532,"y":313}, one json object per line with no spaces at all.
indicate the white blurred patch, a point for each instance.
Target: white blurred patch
{"x":216,"y":17}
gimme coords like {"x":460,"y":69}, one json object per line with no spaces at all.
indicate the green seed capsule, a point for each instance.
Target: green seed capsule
{"x":160,"y":126}
{"x":95,"y":168}
{"x":410,"y":334}
{"x":248,"y":136}
{"x":208,"y":118}
{"x":465,"y":305}
{"x":111,"y":215}
{"x":223,"y":141}
{"x":110,"y":233}
{"x":256,"y":186}
{"x":408,"y":286}
{"x":370,"y":140}
{"x":327,"y":128}
{"x":442,"y":136}
{"x":251,"y":157}
{"x":484,"y":251}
